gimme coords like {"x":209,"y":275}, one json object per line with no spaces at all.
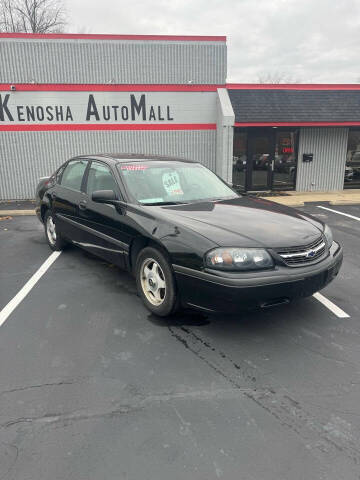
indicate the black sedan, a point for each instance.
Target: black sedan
{"x":188,"y":238}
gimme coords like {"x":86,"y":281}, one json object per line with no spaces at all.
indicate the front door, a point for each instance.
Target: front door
{"x":103,"y":223}
{"x":261,"y":152}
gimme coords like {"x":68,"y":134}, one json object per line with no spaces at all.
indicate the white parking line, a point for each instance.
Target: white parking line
{"x":340,"y":213}
{"x":331,"y":306}
{"x":19,"y":297}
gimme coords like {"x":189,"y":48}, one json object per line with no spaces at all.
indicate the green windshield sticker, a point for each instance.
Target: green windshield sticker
{"x":171,"y":182}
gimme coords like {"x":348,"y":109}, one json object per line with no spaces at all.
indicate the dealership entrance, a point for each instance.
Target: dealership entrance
{"x":264,"y":159}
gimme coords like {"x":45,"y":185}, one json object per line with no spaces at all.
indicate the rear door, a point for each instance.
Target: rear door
{"x":103,"y":223}
{"x":67,"y":196}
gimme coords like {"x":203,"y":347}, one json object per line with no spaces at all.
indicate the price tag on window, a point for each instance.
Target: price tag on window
{"x":171,"y":182}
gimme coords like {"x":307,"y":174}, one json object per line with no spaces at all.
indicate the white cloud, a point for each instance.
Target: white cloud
{"x":312,"y":40}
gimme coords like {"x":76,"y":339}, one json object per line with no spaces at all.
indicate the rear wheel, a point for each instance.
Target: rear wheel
{"x":53,"y":236}
{"x":155,"y":282}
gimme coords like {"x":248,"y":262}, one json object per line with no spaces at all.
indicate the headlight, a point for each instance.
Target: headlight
{"x":239,"y":259}
{"x":328,"y":235}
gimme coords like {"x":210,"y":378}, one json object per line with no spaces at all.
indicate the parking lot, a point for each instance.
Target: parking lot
{"x":94,"y":387}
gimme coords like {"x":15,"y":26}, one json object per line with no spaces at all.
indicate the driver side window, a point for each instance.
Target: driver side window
{"x":100,"y":178}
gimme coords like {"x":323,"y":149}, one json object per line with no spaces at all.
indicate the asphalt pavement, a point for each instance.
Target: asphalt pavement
{"x":94,"y":387}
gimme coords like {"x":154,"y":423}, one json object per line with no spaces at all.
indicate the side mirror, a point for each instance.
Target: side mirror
{"x":104,"y":196}
{"x":109,"y":197}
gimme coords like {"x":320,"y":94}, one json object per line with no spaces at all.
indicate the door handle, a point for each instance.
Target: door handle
{"x":82,"y":205}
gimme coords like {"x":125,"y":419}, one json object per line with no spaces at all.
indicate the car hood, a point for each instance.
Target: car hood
{"x":246,"y":221}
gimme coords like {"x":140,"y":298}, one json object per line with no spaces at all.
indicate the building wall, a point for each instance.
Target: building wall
{"x":51,"y":68}
{"x":27,"y":156}
{"x":112,"y":61}
{"x":224,"y":135}
{"x":326,"y":171}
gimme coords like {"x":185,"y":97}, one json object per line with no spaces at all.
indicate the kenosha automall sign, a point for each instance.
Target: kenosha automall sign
{"x":106,"y":107}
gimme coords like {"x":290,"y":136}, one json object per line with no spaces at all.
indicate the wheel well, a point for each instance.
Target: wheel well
{"x":138,"y":244}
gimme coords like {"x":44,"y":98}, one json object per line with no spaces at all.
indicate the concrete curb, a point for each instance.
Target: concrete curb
{"x":288,"y":201}
{"x":14,"y":213}
{"x":300,"y":202}
{"x":344,"y":202}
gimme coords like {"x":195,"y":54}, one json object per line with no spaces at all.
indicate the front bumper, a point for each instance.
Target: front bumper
{"x":231,"y":292}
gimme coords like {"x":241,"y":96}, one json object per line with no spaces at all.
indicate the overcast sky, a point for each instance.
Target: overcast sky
{"x":307,"y":40}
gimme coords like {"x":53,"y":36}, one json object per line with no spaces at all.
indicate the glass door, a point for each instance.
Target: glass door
{"x":266,"y":158}
{"x":284,"y":168}
{"x":261,"y":145}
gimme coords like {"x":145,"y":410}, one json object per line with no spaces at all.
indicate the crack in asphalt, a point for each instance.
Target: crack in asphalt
{"x":137,"y":403}
{"x":277,"y":401}
{"x":78,"y":415}
{"x":40,"y":385}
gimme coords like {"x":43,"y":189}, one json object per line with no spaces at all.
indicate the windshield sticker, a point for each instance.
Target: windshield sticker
{"x":134,"y":167}
{"x":171,"y":182}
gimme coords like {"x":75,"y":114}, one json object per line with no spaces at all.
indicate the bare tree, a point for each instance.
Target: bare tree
{"x":32,"y":16}
{"x":276,"y":77}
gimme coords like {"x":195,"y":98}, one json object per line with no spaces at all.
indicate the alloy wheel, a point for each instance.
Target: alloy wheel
{"x":51,"y":230}
{"x":153,"y":281}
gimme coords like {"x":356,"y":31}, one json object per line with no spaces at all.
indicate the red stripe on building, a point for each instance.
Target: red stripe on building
{"x":80,"y":36}
{"x":69,"y":87}
{"x":18,"y":127}
{"x":296,"y":124}
{"x":292,"y":86}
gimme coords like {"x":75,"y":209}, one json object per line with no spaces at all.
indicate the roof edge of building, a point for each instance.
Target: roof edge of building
{"x":293,"y":86}
{"x":298,"y":124}
{"x":111,"y":87}
{"x":100,"y":36}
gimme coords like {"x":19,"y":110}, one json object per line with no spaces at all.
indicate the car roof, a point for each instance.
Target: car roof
{"x":133,"y":157}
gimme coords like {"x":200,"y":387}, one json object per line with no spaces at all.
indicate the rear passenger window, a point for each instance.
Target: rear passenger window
{"x":73,"y":174}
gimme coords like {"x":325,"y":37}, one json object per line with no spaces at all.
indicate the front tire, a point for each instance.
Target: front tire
{"x":53,"y":236}
{"x":155,"y":282}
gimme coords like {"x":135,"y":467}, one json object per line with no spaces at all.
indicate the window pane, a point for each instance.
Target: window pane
{"x":285,"y":160}
{"x":239,"y":159}
{"x":352,"y":168}
{"x":261,"y":151}
{"x":73,"y":174}
{"x":100,"y":178}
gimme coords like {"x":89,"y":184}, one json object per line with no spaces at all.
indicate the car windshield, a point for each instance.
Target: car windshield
{"x":172,"y":182}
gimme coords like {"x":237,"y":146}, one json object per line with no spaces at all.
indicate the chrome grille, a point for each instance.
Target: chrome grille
{"x":297,"y":256}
